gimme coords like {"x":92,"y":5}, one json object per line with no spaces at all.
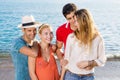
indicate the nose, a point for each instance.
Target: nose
{"x":33,"y":32}
{"x":50,"y":36}
{"x":73,"y":19}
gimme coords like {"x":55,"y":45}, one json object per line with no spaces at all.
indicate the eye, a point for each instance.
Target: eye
{"x":34,"y":29}
{"x":68,"y":18}
{"x":51,"y":33}
{"x":29,"y":30}
{"x":46,"y":33}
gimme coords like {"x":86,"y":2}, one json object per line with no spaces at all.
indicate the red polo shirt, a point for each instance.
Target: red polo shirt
{"x":62,"y":33}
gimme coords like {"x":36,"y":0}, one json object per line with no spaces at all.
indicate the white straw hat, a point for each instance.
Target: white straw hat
{"x":28,"y":21}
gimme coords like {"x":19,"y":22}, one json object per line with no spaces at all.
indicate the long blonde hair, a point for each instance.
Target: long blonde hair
{"x":87,"y":30}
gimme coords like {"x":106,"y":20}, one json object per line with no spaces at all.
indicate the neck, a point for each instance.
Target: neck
{"x":26,"y":39}
{"x":73,"y":27}
{"x":44,"y":46}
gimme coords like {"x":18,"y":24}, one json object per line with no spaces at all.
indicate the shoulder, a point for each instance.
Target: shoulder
{"x":61,"y":27}
{"x":71,"y":39}
{"x":18,"y":43}
{"x":71,"y":35}
{"x":98,"y":38}
{"x":18,"y":40}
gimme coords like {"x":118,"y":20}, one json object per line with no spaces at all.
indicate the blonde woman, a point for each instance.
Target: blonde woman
{"x":84,"y":49}
{"x":44,"y":67}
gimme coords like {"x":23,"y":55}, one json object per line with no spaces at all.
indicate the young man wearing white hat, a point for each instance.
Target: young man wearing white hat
{"x":20,"y":49}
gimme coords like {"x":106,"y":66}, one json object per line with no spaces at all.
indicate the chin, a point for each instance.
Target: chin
{"x":48,"y":42}
{"x":32,"y":38}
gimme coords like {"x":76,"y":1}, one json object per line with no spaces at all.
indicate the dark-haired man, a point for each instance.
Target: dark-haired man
{"x":65,"y":29}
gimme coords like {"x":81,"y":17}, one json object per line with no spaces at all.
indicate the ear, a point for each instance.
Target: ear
{"x":23,"y":30}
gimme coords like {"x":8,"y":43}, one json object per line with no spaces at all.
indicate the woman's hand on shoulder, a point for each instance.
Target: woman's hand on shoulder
{"x":35,"y":47}
{"x":35,"y":43}
{"x":54,"y":47}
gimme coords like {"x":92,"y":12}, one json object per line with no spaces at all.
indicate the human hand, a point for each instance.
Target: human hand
{"x":63,"y":62}
{"x":34,"y":43}
{"x":54,"y":47}
{"x":82,"y":64}
{"x":61,"y":78}
{"x":89,"y":67}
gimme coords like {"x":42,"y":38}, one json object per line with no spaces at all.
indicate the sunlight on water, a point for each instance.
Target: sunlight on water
{"x":105,"y":13}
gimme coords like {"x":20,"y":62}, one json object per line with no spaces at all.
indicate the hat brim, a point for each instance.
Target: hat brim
{"x":36,"y":24}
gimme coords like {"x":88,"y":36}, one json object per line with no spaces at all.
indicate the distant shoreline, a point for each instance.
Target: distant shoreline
{"x":4,"y":55}
{"x":110,"y":57}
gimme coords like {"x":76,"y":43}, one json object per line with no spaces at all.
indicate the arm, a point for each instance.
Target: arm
{"x":31,"y":64}
{"x":91,"y":65}
{"x":28,"y":51}
{"x":100,"y":61}
{"x":68,"y":49}
{"x":67,"y":56}
{"x":54,"y":48}
{"x":62,"y":73}
{"x":59,"y":43}
{"x":58,"y":51}
{"x":59,"y":54}
{"x":88,"y":65}
{"x":101,"y":54}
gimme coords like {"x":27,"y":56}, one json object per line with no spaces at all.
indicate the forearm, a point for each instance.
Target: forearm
{"x":62,"y":73}
{"x":33,"y":76}
{"x":32,"y":54}
{"x":91,"y":65}
{"x":59,"y":46}
{"x":31,"y":66}
{"x":88,"y":65}
{"x":59,"y":54}
{"x":27,"y":51}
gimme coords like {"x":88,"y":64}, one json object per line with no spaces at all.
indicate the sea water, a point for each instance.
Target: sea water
{"x":106,"y":14}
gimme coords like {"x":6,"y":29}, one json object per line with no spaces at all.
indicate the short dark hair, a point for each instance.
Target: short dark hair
{"x":68,"y":8}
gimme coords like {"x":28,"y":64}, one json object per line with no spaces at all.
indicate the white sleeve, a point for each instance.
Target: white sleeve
{"x":101,"y":54}
{"x":68,"y":49}
{"x":68,"y":46}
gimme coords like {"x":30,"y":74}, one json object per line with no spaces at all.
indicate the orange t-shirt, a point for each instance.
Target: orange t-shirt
{"x":46,"y":70}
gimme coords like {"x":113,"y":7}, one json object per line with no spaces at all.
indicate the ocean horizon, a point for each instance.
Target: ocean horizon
{"x":105,"y":14}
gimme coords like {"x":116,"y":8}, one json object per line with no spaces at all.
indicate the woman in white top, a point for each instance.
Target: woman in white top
{"x":84,"y":49}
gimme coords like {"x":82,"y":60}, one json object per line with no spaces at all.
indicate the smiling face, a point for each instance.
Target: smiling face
{"x":46,"y":34}
{"x":29,"y":33}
